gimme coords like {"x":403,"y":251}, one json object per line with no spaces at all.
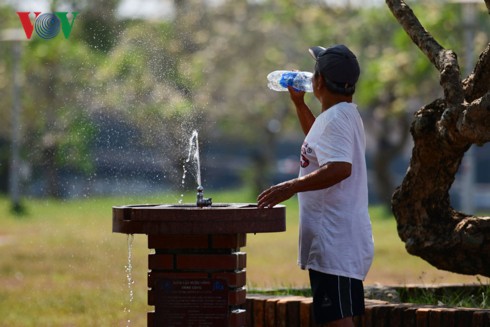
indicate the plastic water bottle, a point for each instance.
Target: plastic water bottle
{"x":279,"y":80}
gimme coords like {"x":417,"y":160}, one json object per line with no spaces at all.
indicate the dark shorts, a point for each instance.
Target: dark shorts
{"x":335,"y":297}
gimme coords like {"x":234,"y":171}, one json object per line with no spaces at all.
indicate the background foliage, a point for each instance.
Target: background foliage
{"x":205,"y":69}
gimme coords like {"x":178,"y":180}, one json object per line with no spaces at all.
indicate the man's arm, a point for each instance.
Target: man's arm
{"x":327,"y":176}
{"x":306,"y":118}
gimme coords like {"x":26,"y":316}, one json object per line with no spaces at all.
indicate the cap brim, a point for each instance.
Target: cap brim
{"x":315,"y":51}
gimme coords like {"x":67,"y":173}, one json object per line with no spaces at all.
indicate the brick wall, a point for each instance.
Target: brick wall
{"x":294,"y":311}
{"x":204,"y":259}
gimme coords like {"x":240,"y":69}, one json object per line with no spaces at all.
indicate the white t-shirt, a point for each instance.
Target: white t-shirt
{"x":335,"y":227}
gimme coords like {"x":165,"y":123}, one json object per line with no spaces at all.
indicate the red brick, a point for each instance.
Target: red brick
{"x":375,"y":313}
{"x":481,"y":318}
{"x":369,"y":316}
{"x":382,"y":315}
{"x":238,"y":318}
{"x":293,"y":310}
{"x":233,"y":279}
{"x":230,"y":241}
{"x":233,"y":261}
{"x":237,"y":297}
{"x":154,"y":276}
{"x":161,"y":261}
{"x":270,"y":312}
{"x":288,"y":311}
{"x":150,"y":318}
{"x":448,"y":317}
{"x":151,"y":297}
{"x":249,"y":307}
{"x":410,"y":317}
{"x":306,"y":312}
{"x":464,"y":316}
{"x":435,"y":317}
{"x":258,"y":315}
{"x":281,"y":315}
{"x":397,"y":312}
{"x":171,"y":242}
{"x":422,"y":316}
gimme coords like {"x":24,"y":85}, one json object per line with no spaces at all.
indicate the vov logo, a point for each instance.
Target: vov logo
{"x":47,"y":25}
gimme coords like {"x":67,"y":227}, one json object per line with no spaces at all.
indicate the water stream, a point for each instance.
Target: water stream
{"x":193,"y":157}
{"x":129,"y":276}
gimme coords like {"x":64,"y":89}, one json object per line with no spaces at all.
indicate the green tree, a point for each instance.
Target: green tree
{"x":98,"y":27}
{"x":8,"y":20}
{"x":244,"y":42}
{"x":144,"y":82}
{"x":57,"y":129}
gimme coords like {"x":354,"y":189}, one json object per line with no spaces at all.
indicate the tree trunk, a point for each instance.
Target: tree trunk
{"x":443,"y":131}
{"x":430,"y":228}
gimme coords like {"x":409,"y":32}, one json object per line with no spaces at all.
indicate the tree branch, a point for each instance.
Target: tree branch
{"x":412,"y":26}
{"x":478,"y":83}
{"x":473,"y":123}
{"x":444,"y":60}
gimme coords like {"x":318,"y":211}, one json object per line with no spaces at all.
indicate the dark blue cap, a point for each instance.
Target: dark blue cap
{"x":337,"y":64}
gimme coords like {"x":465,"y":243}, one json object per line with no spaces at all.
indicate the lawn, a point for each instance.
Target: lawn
{"x":60,"y":264}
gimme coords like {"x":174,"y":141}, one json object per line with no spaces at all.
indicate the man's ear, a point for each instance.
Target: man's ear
{"x":320,"y":81}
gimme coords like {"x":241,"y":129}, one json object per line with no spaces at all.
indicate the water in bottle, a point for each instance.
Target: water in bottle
{"x":279,"y":80}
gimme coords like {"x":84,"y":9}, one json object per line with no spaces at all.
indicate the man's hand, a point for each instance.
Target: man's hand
{"x":276,"y":194}
{"x":298,"y":97}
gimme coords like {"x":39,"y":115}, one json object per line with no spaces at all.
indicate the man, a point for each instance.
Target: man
{"x":336,"y":243}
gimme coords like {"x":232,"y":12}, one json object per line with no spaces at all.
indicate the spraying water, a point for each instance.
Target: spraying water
{"x":192,"y":156}
{"x":129,"y":276}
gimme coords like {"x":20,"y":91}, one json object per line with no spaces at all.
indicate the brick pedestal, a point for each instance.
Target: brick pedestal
{"x":198,"y":278}
{"x":197,"y":272}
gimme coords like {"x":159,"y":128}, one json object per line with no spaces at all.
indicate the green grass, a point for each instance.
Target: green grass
{"x":477,"y":296}
{"x":61,"y":265}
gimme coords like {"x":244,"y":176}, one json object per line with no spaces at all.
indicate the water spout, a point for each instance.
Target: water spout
{"x":201,"y":200}
{"x":193,"y":157}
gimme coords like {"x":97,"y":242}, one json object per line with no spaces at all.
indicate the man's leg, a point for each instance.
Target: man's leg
{"x":336,"y":299}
